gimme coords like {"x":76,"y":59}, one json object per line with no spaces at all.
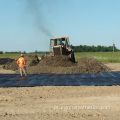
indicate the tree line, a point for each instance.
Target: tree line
{"x":1,"y":52}
{"x":99,"y":48}
{"x":19,"y":52}
{"x":80,"y":48}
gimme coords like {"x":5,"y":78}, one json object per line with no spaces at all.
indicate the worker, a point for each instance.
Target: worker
{"x":22,"y":65}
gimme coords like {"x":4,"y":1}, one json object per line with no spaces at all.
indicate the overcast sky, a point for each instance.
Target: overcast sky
{"x":28,"y":25}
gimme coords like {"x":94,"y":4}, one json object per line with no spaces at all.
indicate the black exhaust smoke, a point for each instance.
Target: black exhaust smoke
{"x":35,"y":9}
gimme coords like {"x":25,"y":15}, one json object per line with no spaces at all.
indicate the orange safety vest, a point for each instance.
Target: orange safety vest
{"x":21,"y":62}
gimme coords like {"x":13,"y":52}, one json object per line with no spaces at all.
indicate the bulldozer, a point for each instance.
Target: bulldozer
{"x":61,"y":46}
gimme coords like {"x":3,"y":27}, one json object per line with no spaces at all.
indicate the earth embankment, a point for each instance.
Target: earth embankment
{"x":59,"y":65}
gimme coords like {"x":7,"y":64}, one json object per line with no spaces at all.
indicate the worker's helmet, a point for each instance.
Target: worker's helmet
{"x":22,"y":55}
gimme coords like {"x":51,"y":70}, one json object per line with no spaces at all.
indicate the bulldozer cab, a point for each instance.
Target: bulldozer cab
{"x":61,"y":46}
{"x":59,"y":42}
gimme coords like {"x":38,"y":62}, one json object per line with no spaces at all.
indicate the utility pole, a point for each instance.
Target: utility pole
{"x":113,"y":46}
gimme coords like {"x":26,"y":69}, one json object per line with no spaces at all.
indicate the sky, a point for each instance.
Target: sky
{"x":28,"y":25}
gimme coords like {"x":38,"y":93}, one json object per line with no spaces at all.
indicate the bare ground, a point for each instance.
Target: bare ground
{"x":60,"y":103}
{"x":3,"y":71}
{"x":113,"y":66}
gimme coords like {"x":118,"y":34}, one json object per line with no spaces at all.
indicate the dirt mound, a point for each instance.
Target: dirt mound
{"x":60,"y":65}
{"x":12,"y":66}
{"x":63,"y":65}
{"x":91,"y":65}
{"x":5,"y":61}
{"x":31,"y":60}
{"x":57,"y":61}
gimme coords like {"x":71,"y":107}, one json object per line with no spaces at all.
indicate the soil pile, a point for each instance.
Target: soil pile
{"x":91,"y":65}
{"x":60,"y":65}
{"x":57,"y":61}
{"x":12,"y":66}
{"x":63,"y":65}
{"x":31,"y":60}
{"x":5,"y":61}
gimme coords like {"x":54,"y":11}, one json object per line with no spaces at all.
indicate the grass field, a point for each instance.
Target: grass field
{"x":14,"y":56}
{"x":112,"y":57}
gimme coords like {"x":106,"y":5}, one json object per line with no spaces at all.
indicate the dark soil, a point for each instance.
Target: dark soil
{"x":31,"y":60}
{"x":91,"y":65}
{"x":5,"y":61}
{"x":57,"y":61}
{"x":60,"y":65}
{"x":12,"y":66}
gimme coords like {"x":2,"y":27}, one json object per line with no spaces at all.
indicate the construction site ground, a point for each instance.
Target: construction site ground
{"x":59,"y":65}
{"x":60,"y":102}
{"x":112,"y":66}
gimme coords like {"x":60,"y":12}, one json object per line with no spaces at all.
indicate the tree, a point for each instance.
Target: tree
{"x":36,"y":52}
{"x":24,"y":52}
{"x":1,"y":52}
{"x":93,"y":48}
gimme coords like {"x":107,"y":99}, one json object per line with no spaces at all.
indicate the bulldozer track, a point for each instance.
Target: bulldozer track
{"x":97,"y":79}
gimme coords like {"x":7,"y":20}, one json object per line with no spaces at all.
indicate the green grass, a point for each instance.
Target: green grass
{"x":111,"y":57}
{"x":14,"y":56}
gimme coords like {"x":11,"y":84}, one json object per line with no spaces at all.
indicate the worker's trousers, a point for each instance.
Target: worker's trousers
{"x":23,"y":70}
